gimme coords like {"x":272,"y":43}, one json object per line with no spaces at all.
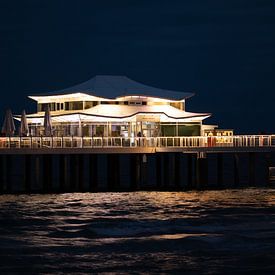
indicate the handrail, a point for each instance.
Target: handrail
{"x":118,"y":142}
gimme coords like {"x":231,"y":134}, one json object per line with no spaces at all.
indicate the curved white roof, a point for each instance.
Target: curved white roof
{"x":124,"y":111}
{"x":112,"y":112}
{"x":110,"y":86}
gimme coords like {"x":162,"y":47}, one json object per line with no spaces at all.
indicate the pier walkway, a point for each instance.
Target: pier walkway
{"x":52,"y":145}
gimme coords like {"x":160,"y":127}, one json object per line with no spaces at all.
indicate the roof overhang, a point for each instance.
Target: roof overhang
{"x":76,"y":117}
{"x":112,"y":87}
{"x":67,"y":97}
{"x":86,"y":97}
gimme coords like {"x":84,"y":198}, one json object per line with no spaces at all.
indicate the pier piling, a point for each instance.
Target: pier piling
{"x":220,"y":169}
{"x":176,"y":163}
{"x":144,"y":170}
{"x":35,"y":170}
{"x":189,"y":171}
{"x":251,"y":159}
{"x":113,"y":171}
{"x":93,"y":174}
{"x":37,"y":166}
{"x":47,"y":173}
{"x":27,"y":172}
{"x":166,"y":170}
{"x":135,"y":173}
{"x":2,"y":169}
{"x":158,"y":171}
{"x":8,"y":173}
{"x":73,"y":172}
{"x":62,"y":172}
{"x":202,"y":172}
{"x":80,"y":172}
{"x":236,"y":170}
{"x":268,"y":163}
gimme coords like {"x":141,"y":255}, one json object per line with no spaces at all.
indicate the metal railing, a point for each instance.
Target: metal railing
{"x":112,"y":142}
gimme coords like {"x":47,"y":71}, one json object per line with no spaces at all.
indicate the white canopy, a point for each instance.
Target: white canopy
{"x":122,"y":113}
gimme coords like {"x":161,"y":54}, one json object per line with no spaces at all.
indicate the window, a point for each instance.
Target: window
{"x":74,"y":105}
{"x":43,"y":106}
{"x":67,"y":106}
{"x":135,"y":103}
{"x":59,"y":106}
{"x":77,"y":105}
{"x":177,"y":105}
{"x":52,"y":108}
{"x":90,"y":104}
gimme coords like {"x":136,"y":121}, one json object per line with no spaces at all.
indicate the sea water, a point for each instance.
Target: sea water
{"x":222,"y":232}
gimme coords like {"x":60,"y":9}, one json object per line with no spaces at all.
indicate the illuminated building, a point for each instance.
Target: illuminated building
{"x":111,"y":106}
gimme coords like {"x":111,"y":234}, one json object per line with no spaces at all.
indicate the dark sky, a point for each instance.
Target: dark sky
{"x":224,"y":51}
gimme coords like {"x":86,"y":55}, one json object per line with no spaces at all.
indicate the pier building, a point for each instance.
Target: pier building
{"x":116,"y":106}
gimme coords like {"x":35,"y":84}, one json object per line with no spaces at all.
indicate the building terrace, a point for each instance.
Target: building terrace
{"x":117,"y":112}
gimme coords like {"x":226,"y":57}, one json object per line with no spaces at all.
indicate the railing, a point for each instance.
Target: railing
{"x":112,"y":142}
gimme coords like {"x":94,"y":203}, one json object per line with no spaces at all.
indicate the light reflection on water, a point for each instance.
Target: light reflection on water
{"x":206,"y":232}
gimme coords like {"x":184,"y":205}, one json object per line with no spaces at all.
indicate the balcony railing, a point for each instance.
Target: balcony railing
{"x":112,"y":142}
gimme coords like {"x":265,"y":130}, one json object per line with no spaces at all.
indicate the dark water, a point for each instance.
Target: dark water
{"x":229,"y":232}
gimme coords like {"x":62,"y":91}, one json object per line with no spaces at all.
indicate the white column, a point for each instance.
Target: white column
{"x":79,"y":130}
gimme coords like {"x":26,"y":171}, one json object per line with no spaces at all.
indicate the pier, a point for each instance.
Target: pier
{"x":80,"y":164}
{"x":111,"y":133}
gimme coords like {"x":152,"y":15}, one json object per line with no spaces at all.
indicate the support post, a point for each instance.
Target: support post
{"x":113,"y":171}
{"x":251,"y":169}
{"x":93,"y":174}
{"x":73,"y":173}
{"x":220,"y":169}
{"x":117,"y":170}
{"x":8,"y":173}
{"x":236,"y":170}
{"x":166,"y":170}
{"x":110,"y":173}
{"x":62,"y":172}
{"x":80,"y":172}
{"x":27,"y":173}
{"x":158,"y":171}
{"x":37,"y":171}
{"x":1,"y":173}
{"x":189,"y":171}
{"x":144,"y":168}
{"x":47,"y":173}
{"x":202,"y":172}
{"x":268,"y":164}
{"x":176,"y":170}
{"x":134,"y":171}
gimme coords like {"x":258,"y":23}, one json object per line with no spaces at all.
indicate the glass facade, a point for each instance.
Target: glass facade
{"x":90,"y":104}
{"x":170,"y":130}
{"x":74,"y":105}
{"x":142,"y":125}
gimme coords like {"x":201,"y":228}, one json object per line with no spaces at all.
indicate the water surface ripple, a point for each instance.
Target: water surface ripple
{"x":231,"y":231}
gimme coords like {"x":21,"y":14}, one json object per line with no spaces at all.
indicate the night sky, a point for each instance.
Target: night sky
{"x":224,"y":51}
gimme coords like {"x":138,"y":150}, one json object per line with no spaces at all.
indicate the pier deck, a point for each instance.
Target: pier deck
{"x":119,"y":145}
